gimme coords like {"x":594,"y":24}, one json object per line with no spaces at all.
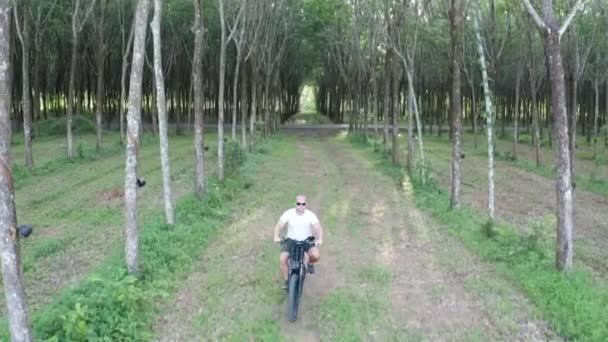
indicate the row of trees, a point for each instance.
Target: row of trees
{"x":217,"y":58}
{"x":259,"y":45}
{"x":495,"y":48}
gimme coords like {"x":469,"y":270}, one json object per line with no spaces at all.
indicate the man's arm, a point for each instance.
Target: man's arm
{"x":319,"y":233}
{"x":277,"y":230}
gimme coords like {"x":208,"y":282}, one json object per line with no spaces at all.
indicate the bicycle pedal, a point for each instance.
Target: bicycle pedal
{"x":311,"y":268}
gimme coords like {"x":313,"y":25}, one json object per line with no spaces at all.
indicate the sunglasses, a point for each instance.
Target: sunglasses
{"x":302,"y":204}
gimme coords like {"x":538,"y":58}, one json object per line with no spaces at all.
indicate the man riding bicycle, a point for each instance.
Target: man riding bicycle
{"x":301,"y":223}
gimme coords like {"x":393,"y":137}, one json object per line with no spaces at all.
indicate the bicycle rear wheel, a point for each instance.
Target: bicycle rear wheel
{"x":293,"y":297}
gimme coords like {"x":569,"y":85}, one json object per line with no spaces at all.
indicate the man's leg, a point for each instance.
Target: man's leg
{"x":313,"y":255}
{"x":283,"y":263}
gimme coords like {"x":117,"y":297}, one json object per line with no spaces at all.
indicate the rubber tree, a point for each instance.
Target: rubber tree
{"x":79,"y":18}
{"x":197,"y":81}
{"x":22,"y":25}
{"x":133,"y":131}
{"x":12,"y":279}
{"x":456,"y":16}
{"x":552,"y":33}
{"x":489,"y":117}
{"x":161,"y":107}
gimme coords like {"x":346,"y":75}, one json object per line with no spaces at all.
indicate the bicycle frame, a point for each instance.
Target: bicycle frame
{"x":297,"y":274}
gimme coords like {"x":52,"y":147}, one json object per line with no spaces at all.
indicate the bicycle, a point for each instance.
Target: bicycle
{"x":297,"y":275}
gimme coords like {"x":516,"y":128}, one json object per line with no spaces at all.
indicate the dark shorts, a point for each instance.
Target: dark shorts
{"x":287,"y":244}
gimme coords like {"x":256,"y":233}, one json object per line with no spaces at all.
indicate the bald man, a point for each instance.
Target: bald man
{"x":301,"y":223}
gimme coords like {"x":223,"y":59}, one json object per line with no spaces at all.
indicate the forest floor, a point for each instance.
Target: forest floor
{"x":387,"y":270}
{"x":525,"y":196}
{"x":76,"y":206}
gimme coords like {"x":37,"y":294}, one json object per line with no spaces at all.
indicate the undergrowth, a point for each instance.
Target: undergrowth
{"x":573,"y":303}
{"x":112,"y":305}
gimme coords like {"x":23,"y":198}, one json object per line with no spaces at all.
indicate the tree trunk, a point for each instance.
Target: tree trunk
{"x":516,"y":116}
{"x":133,"y":129}
{"x":72,"y":82}
{"x":17,"y":309}
{"x":560,"y":121}
{"x":396,"y":81}
{"x":221,"y":104}
{"x":572,"y":131}
{"x":123,"y":81}
{"x":410,"y":128}
{"x":197,"y":80}
{"x":386,"y":102}
{"x":254,"y":107}
{"x":235,"y":85}
{"x":552,"y":34}
{"x":244,"y":109}
{"x":489,"y":119}
{"x":456,"y":18}
{"x":375,"y":106}
{"x":266,"y":103}
{"x":101,"y":56}
{"x":161,"y":105}
{"x":596,"y":114}
{"x":23,"y":31}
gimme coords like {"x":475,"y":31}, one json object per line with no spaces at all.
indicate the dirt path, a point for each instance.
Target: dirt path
{"x":387,"y":271}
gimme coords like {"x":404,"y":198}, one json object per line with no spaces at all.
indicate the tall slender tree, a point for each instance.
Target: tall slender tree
{"x":197,"y":81}
{"x":456,"y":15}
{"x":79,"y":18}
{"x":19,"y":324}
{"x":22,"y":25}
{"x":161,"y":106}
{"x":133,"y":130}
{"x":552,"y":33}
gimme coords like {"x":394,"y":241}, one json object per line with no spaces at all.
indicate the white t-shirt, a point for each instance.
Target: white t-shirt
{"x":299,"y":227}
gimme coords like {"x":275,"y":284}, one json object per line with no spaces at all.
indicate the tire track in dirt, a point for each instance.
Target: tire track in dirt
{"x":327,"y":276}
{"x":428,"y":294}
{"x":367,"y":222}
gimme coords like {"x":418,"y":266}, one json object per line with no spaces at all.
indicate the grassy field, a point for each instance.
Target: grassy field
{"x":391,"y":267}
{"x":569,"y":302}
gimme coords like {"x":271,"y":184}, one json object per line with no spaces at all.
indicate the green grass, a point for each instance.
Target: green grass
{"x":574,"y":304}
{"x":349,"y":314}
{"x":112,"y":305}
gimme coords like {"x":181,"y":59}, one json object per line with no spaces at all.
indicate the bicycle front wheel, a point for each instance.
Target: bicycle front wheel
{"x":293,"y":297}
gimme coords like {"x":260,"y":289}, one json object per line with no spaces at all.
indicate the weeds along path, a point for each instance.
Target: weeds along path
{"x":529,"y":201}
{"x":77,"y":213}
{"x":387,"y":272}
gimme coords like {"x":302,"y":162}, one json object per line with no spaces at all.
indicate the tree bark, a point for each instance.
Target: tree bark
{"x":197,"y":80}
{"x":123,"y":81}
{"x":596,"y":114}
{"x":516,"y":116}
{"x":221,"y":104}
{"x":386,"y":102}
{"x":552,"y":34}
{"x":254,"y":107}
{"x":101,"y":57}
{"x":244,"y":109}
{"x":456,"y":30}
{"x":235,"y":85}
{"x":489,"y":119}
{"x":17,"y":309}
{"x":23,"y":32}
{"x":133,"y":130}
{"x":161,"y":105}
{"x":396,"y":81}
